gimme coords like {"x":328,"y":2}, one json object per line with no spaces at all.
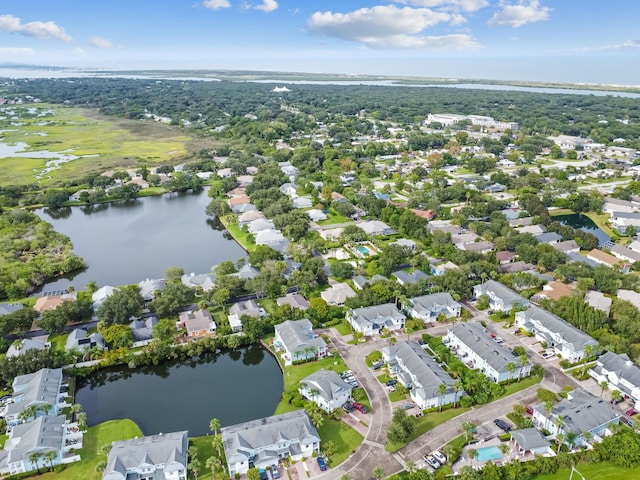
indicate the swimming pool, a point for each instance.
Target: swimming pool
{"x":489,"y":453}
{"x":363,"y":250}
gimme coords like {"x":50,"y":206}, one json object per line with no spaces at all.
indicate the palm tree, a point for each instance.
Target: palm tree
{"x":378,"y":473}
{"x":504,"y":448}
{"x":560,"y":441}
{"x":34,"y":458}
{"x":604,"y":385}
{"x":468,"y":428}
{"x":50,"y":456}
{"x":511,"y":368}
{"x":548,"y":408}
{"x":457,"y":387}
{"x":473,"y":454}
{"x":616,"y":395}
{"x":523,"y":361}
{"x":588,"y":352}
{"x":217,"y":444}
{"x":214,"y":425}
{"x":571,"y":439}
{"x":442,"y":391}
{"x":411,"y":466}
{"x":81,"y":418}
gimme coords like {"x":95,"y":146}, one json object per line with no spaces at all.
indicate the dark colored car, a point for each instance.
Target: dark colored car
{"x":263,"y":474}
{"x":275,"y":472}
{"x":322,"y":464}
{"x":502,"y":424}
{"x":391,"y":382}
{"x":616,"y":401}
{"x":627,"y":421}
{"x":377,"y":365}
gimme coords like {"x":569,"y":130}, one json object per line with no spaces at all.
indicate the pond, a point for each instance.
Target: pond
{"x":129,"y":241}
{"x":578,"y":220}
{"x":234,"y":387}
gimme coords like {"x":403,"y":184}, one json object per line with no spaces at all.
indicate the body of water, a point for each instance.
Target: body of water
{"x":129,"y":241}
{"x":234,"y":387}
{"x":578,"y":220}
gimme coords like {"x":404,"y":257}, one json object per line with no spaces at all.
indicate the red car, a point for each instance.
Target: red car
{"x":529,"y":410}
{"x":631,"y":412}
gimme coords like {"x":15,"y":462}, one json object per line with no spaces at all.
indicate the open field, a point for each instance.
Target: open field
{"x":101,"y":142}
{"x":599,"y":471}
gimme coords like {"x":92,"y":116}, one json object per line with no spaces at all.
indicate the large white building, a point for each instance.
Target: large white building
{"x":326,"y":389}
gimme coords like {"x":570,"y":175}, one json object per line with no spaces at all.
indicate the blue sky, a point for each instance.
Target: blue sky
{"x":561,"y":40}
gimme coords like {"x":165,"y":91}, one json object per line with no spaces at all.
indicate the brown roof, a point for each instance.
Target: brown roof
{"x":427,"y":214}
{"x":504,"y":255}
{"x":50,"y":303}
{"x":237,"y":192}
{"x":337,"y":196}
{"x":239,"y":200}
{"x":556,"y":290}
{"x":603,"y":257}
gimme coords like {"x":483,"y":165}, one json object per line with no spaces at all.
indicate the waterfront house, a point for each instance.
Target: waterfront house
{"x":421,"y":374}
{"x":205,"y":281}
{"x":142,"y":330}
{"x":150,"y":286}
{"x":371,"y":320}
{"x":198,"y":324}
{"x":429,"y":307}
{"x":162,"y":456}
{"x":298,"y":342}
{"x":80,"y":341}
{"x":248,"y":217}
{"x":501,"y":297}
{"x":100,"y":295}
{"x":326,"y":389}
{"x":261,"y":443}
{"x":51,"y":302}
{"x":478,"y":350}
{"x":565,"y":339}
{"x":259,"y":225}
{"x":41,"y":390}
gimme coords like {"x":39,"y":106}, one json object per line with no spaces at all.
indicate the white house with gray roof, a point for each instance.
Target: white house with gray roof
{"x":371,"y":320}
{"x":326,"y":389}
{"x":579,"y":413}
{"x":620,"y":373}
{"x":428,"y":307}
{"x":39,"y":389}
{"x":471,"y":342}
{"x":162,"y":456}
{"x":376,"y":228}
{"x":150,"y":286}
{"x":298,"y":342}
{"x":23,"y":345}
{"x":8,"y":308}
{"x":206,"y":281}
{"x":406,"y":278}
{"x":43,"y":435}
{"x":80,"y":341}
{"x":337,"y":294}
{"x":624,"y":253}
{"x":564,"y":338}
{"x":421,"y":374}
{"x":598,"y":301}
{"x":501,"y":298}
{"x":530,"y":440}
{"x":263,"y":442}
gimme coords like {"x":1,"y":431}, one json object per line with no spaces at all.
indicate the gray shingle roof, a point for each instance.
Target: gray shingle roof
{"x":428,"y":303}
{"x":508,"y":296}
{"x":169,"y":449}
{"x":474,"y":336}
{"x":583,"y":412}
{"x":298,"y":335}
{"x":7,"y":308}
{"x":36,"y":388}
{"x":411,"y":278}
{"x":41,"y":435}
{"x":623,"y":367}
{"x":529,"y":438}
{"x":377,"y":314}
{"x":327,"y":383}
{"x":569,"y":334}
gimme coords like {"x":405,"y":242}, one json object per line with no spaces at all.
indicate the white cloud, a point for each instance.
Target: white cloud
{"x":15,"y":51}
{"x":629,"y":44}
{"x":448,"y":42}
{"x":78,"y":51}
{"x":464,"y":5}
{"x":216,"y":4}
{"x":384,"y":26}
{"x":267,"y":6}
{"x":11,"y":24}
{"x":520,"y":14}
{"x":101,"y":42}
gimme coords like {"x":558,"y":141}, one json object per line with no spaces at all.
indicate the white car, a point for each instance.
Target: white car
{"x":440,"y":457}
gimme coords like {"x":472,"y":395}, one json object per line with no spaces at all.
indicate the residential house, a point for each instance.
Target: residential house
{"x":579,"y":413}
{"x":261,"y":443}
{"x":205,"y":281}
{"x":149,"y":287}
{"x":501,"y":297}
{"x":406,"y":278}
{"x":621,"y":220}
{"x":236,"y":192}
{"x":505,"y":256}
{"x":326,"y":389}
{"x":371,"y":320}
{"x":376,"y":228}
{"x":405,"y":243}
{"x":471,"y":342}
{"x":240,"y":208}
{"x":530,"y":441}
{"x":235,"y":201}
{"x":302,"y":202}
{"x":532,"y":229}
{"x":603,"y":258}
{"x":23,"y":345}
{"x":566,"y":340}
{"x":598,"y":301}
{"x":635,"y":246}
{"x":295,"y":300}
{"x":620,"y":373}
{"x":615,"y":205}
{"x":548,"y":237}
{"x":444,"y":226}
{"x":360,"y":281}
{"x":8,"y":308}
{"x":100,"y":295}
{"x":249,"y":308}
{"x":269,"y":237}
{"x":142,"y":330}
{"x":162,"y":456}
{"x":555,"y":290}
{"x":297,"y":341}
{"x":337,"y":294}
{"x":576,"y":257}
{"x":225,"y":172}
{"x":289,"y":189}
{"x":246,"y":272}
{"x":51,"y":302}
{"x":568,"y":246}
{"x":198,"y":323}
{"x":79,"y":340}
{"x":483,"y":246}
{"x":629,"y":296}
{"x":41,"y":390}
{"x":429,"y":307}
{"x":331,"y":234}
{"x":316,"y":215}
{"x":625,"y":254}
{"x":248,"y":217}
{"x":421,"y":374}
{"x":259,"y":225}
{"x":43,"y":435}
{"x":441,"y":268}
{"x":516,"y":267}
{"x":463,"y":238}
{"x":521,"y":222}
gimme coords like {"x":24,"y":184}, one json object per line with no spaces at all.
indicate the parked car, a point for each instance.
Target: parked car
{"x":616,"y":401}
{"x":502,"y":424}
{"x":529,"y":409}
{"x":432,"y":462}
{"x":275,"y":472}
{"x":263,"y":474}
{"x":407,"y":406}
{"x":322,"y":464}
{"x":361,"y":408}
{"x":627,"y":421}
{"x":347,"y":407}
{"x":441,"y":457}
{"x":631,"y":412}
{"x":377,"y":365}
{"x":389,"y":383}
{"x":546,"y":355}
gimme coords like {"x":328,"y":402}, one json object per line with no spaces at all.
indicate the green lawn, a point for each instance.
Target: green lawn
{"x":428,"y":422}
{"x":334,"y":218}
{"x":238,"y":235}
{"x":3,"y":438}
{"x":343,"y":328}
{"x":596,"y":471}
{"x":58,"y":342}
{"x":395,"y":396}
{"x":96,"y":438}
{"x":345,"y":438}
{"x":205,"y":450}
{"x":521,"y":385}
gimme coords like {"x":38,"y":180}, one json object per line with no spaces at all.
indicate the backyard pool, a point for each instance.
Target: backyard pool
{"x":489,"y":453}
{"x":363,"y":250}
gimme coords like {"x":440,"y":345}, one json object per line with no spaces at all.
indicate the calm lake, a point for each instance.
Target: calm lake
{"x":578,"y":220}
{"x":234,"y":387}
{"x":129,"y":241}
